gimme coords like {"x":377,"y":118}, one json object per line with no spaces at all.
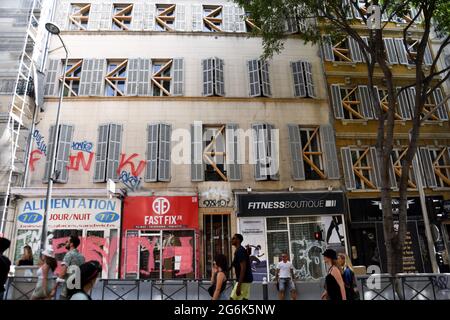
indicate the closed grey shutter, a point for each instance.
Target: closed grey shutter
{"x":98,"y":74}
{"x":265,"y":79}
{"x":143,"y":84}
{"x":403,"y":104}
{"x":49,"y":155}
{"x":137,"y":20}
{"x":102,"y":151}
{"x":296,"y":149}
{"x":62,"y":14}
{"x":376,"y":104}
{"x":177,"y":84}
{"x":180,"y":17}
{"x":114,"y":150}
{"x":105,"y":15}
{"x":197,"y":17}
{"x":392,"y":177}
{"x":365,"y":102}
{"x":165,"y":131}
{"x":52,"y":77}
{"x":329,"y":151}
{"x":63,"y":153}
{"x":307,"y":69}
{"x":347,"y":165}
{"x":132,"y":76}
{"x":336,"y":100}
{"x":208,"y":75}
{"x":375,"y":174}
{"x":259,"y":151}
{"x":401,"y":51}
{"x":197,"y":165}
{"x":239,"y":19}
{"x":273,"y":153}
{"x":219,"y":82}
{"x":253,"y":76}
{"x":427,"y":57}
{"x":355,"y":52}
{"x":390,"y":51}
{"x":442,"y":110}
{"x":427,"y":166}
{"x":86,"y":77}
{"x":411,"y":92}
{"x":151,"y":169}
{"x":95,"y":14}
{"x":232,"y":152}
{"x":327,"y":47}
{"x":299,"y":81}
{"x":228,"y":18}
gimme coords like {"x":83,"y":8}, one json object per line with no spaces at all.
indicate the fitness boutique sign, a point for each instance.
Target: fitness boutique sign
{"x":160,"y":212}
{"x":283,"y":204}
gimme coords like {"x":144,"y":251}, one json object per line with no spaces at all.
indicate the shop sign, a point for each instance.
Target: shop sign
{"x":285,"y":204}
{"x":69,"y":213}
{"x":160,"y":212}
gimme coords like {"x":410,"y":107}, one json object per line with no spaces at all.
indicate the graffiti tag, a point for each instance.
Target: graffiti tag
{"x":40,"y":142}
{"x":85,"y":146}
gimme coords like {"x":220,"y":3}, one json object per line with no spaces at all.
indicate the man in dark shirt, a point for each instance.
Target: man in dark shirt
{"x":5,"y":263}
{"x":242,"y":269}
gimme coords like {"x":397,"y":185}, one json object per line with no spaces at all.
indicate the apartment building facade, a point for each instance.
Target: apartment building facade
{"x":172,"y":102}
{"x":356,"y":123}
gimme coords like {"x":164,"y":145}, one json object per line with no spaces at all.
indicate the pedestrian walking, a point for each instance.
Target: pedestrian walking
{"x":219,"y":278}
{"x":285,"y":278}
{"x":72,"y":258}
{"x":89,"y":273}
{"x":46,"y":284}
{"x":242,"y":269}
{"x":27,"y":257}
{"x":334,"y":284}
{"x":348,"y":275}
{"x":5,"y":264}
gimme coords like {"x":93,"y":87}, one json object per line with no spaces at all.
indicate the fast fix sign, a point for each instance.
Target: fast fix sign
{"x":69,"y":213}
{"x":285,"y":204}
{"x":160,"y":212}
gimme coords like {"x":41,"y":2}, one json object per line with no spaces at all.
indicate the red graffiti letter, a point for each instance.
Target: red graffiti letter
{"x":34,"y":159}
{"x":124,"y":161}
{"x":75,"y":161}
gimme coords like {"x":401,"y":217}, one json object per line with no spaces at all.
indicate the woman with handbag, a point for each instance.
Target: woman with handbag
{"x":46,"y":284}
{"x":219,"y":278}
{"x":348,"y":275}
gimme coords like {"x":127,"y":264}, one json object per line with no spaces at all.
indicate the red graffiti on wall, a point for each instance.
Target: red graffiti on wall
{"x":33,"y":159}
{"x":103,"y":250}
{"x":135,"y":171}
{"x":79,"y":159}
{"x":135,"y":244}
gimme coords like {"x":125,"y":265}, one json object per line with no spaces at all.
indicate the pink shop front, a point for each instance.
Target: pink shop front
{"x":95,"y":220}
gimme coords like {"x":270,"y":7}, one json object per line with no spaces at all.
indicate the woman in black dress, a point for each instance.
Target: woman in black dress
{"x":27,"y":257}
{"x":334,"y":284}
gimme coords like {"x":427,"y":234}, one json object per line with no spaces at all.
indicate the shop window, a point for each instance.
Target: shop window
{"x":72,"y":80}
{"x":216,"y":238}
{"x":158,"y":152}
{"x":165,"y":17}
{"x":265,"y":152}
{"x":122,"y":15}
{"x":115,"y":78}
{"x":258,"y":75}
{"x":213,"y":77}
{"x":303,"y":79}
{"x":107,"y":157}
{"x":79,"y":16}
{"x":64,"y":145}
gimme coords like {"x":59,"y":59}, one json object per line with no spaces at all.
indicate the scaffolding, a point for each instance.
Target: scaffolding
{"x":22,"y":49}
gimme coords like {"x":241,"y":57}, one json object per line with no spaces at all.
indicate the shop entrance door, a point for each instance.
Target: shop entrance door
{"x":216,"y":239}
{"x":150,"y":266}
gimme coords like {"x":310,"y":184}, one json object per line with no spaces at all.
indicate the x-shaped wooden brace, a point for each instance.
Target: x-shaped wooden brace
{"x":121,"y":16}
{"x":357,"y":169}
{"x":211,"y":18}
{"x":438,"y":167}
{"x":111,"y":76}
{"x":207,"y":153}
{"x":162,"y":18}
{"x":308,"y":155}
{"x":348,"y":103}
{"x":385,"y":106}
{"x":398,"y":168}
{"x":70,"y":78}
{"x":342,"y":52}
{"x":158,"y":76}
{"x":79,"y":16}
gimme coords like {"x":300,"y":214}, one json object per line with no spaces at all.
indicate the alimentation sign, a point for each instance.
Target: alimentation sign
{"x":284,"y":204}
{"x":69,"y":213}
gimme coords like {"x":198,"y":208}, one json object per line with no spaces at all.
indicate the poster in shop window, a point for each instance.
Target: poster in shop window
{"x":254,"y":233}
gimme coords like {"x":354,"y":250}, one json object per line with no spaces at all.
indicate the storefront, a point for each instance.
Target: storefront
{"x":302,"y":225}
{"x":160,"y":237}
{"x":367,"y":237}
{"x":95,"y":220}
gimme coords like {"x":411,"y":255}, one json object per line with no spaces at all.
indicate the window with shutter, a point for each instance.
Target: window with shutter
{"x":197,"y":166}
{"x":329,"y":152}
{"x":273,"y":170}
{"x":49,"y":156}
{"x":265,"y":152}
{"x":101,"y":154}
{"x":355,"y":51}
{"x":397,"y":158}
{"x":438,"y":99}
{"x":391,"y":54}
{"x":105,"y":15}
{"x":327,"y":48}
{"x":361,"y":169}
{"x":114,"y":151}
{"x":233,"y":153}
{"x":132,"y":77}
{"x":219,"y":84}
{"x":347,"y":164}
{"x":151,"y":173}
{"x":312,"y":154}
{"x":440,"y":162}
{"x":214,"y":153}
{"x":212,"y":18}
{"x":427,"y":167}
{"x":259,"y":151}
{"x":115,"y":78}
{"x":254,"y":79}
{"x":299,"y":79}
{"x":197,"y":17}
{"x":137,"y":21}
{"x":86,"y":77}
{"x":122,"y":16}
{"x":228,"y":18}
{"x":52,"y":77}
{"x":165,"y":17}
{"x":149,"y":16}
{"x":97,"y":80}
{"x":365,"y":102}
{"x":427,"y":57}
{"x":402,"y":54}
{"x":296,"y":149}
{"x":72,"y":78}
{"x":265,"y":79}
{"x":79,"y":16}
{"x":403,"y":104}
{"x":208,"y":76}
{"x":164,"y":155}
{"x":307,"y":69}
{"x":239,"y":19}
{"x":177,"y":87}
{"x":336,"y":101}
{"x":62,"y":13}
{"x":180,"y":17}
{"x":64,"y":143}
{"x":161,"y":77}
{"x":375,"y":172}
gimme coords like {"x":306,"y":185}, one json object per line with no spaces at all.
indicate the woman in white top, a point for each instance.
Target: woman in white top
{"x":89,"y":272}
{"x":46,"y":284}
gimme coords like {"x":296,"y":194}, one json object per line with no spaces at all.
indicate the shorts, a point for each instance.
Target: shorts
{"x":245,"y":292}
{"x":285,"y":283}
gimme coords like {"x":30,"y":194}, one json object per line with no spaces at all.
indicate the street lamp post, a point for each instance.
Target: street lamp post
{"x":53,"y":29}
